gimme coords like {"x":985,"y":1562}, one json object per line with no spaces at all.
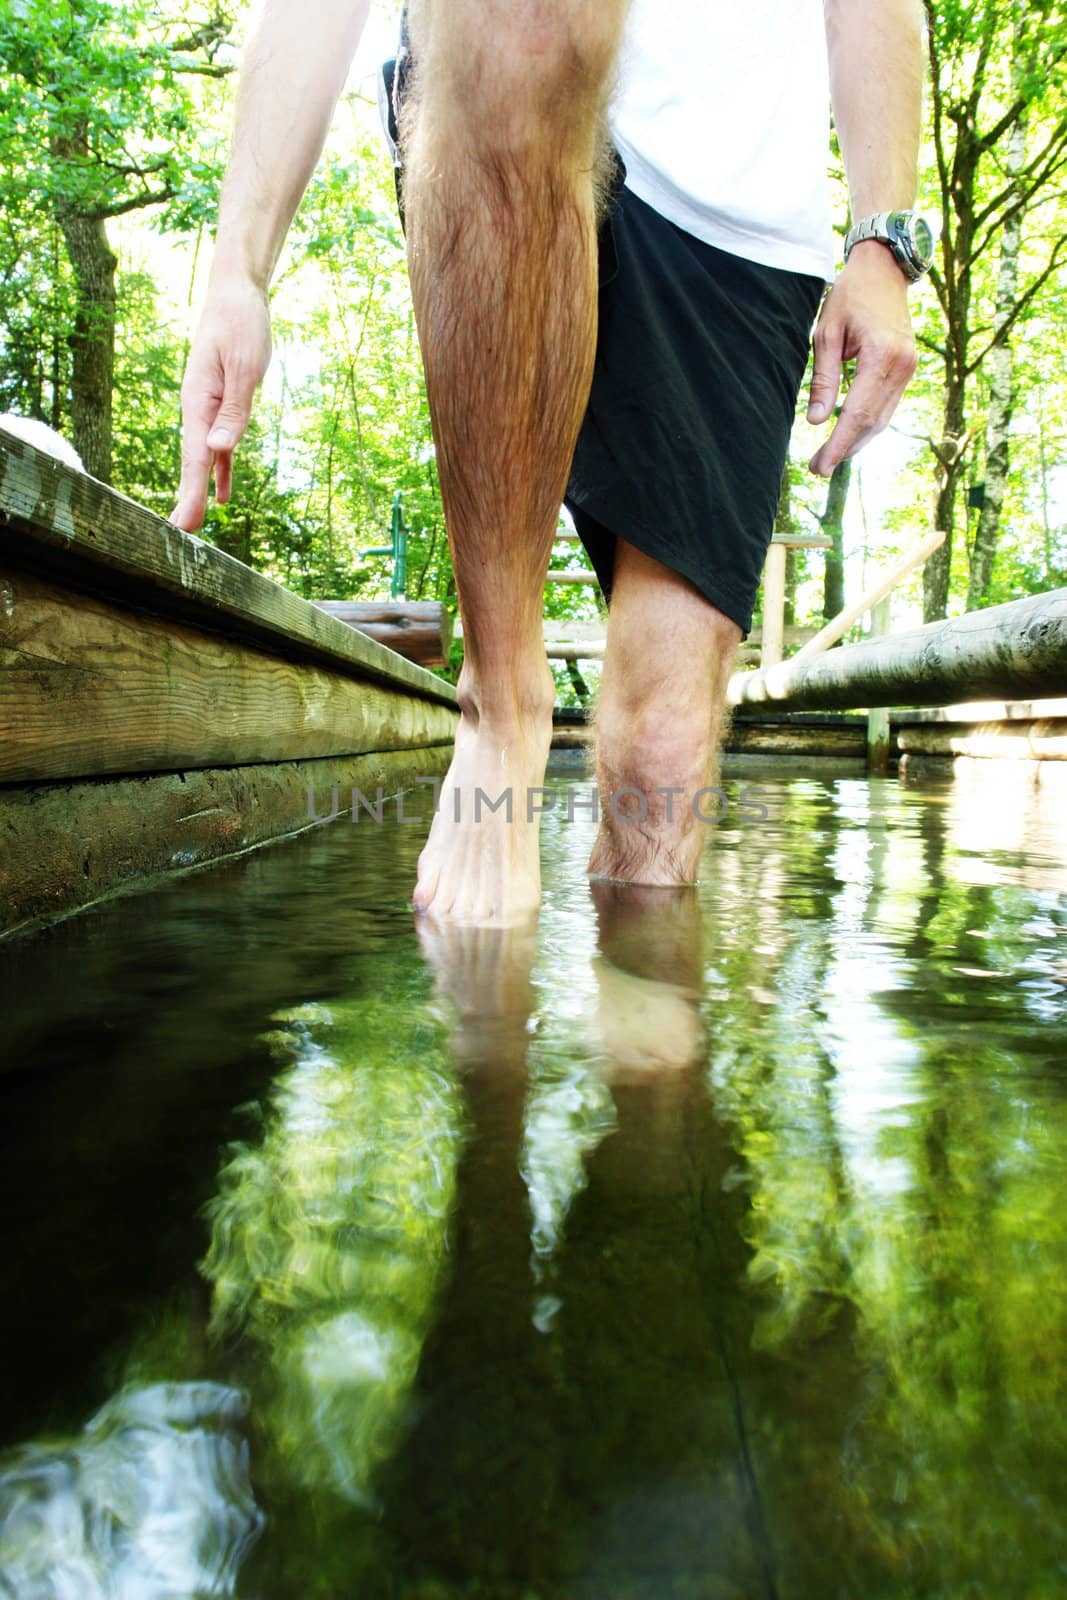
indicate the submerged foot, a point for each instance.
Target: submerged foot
{"x":481,"y":862}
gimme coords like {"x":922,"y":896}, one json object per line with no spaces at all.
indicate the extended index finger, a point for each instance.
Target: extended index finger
{"x":199,"y":408}
{"x":861,"y":416}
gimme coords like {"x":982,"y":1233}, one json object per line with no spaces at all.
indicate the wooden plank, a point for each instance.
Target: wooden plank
{"x":418,"y":630}
{"x":1013,"y":651}
{"x":69,"y":845}
{"x":87,"y":687}
{"x":570,"y":575}
{"x":86,"y":536}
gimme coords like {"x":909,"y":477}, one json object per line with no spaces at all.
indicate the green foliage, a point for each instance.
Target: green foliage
{"x":97,"y":106}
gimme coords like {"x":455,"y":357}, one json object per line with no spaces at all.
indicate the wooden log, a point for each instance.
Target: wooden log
{"x":89,"y":538}
{"x":1012,"y":651}
{"x":885,"y":580}
{"x":561,"y":650}
{"x":418,"y":630}
{"x":68,"y":845}
{"x":88,"y":688}
{"x":1041,"y":740}
{"x":780,"y":738}
{"x":997,"y":711}
{"x":569,"y":575}
{"x":803,"y":541}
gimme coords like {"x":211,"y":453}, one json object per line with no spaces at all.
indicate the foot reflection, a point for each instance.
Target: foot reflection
{"x":648,"y":976}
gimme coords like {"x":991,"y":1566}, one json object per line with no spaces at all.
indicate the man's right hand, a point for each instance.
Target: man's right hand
{"x":229,"y":355}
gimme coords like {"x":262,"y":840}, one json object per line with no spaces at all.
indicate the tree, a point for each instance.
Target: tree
{"x":98,"y":118}
{"x":982,"y":89}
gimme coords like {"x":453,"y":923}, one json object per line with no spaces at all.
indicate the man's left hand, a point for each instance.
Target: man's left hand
{"x":865,"y":319}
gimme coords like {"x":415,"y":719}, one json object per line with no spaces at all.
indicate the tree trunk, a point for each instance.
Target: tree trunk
{"x":1001,"y":397}
{"x":833,"y":525}
{"x":951,"y":458}
{"x":93,"y":339}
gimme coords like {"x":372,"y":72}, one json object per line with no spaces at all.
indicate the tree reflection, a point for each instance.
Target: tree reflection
{"x":330,"y":1235}
{"x":900,"y":1122}
{"x":151,"y":1500}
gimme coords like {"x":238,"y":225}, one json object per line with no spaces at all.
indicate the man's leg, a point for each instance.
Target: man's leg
{"x":501,"y":139}
{"x":668,"y":659}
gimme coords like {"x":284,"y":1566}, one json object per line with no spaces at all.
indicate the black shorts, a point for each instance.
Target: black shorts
{"x":700,"y":356}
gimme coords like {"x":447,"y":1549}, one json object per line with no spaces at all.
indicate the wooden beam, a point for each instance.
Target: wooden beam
{"x":983,"y":711}
{"x":564,"y":650}
{"x":1012,"y":651}
{"x":769,"y":738}
{"x":803,"y":541}
{"x":87,"y":537}
{"x":878,"y":716}
{"x":418,"y":630}
{"x":1044,"y":740}
{"x":569,"y":575}
{"x":69,"y":845}
{"x":90,"y":688}
{"x":773,"y":605}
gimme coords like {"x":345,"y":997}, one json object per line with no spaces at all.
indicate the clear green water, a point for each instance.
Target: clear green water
{"x":712,"y":1245}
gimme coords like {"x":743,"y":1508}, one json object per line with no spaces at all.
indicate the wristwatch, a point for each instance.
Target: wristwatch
{"x":907,"y":233}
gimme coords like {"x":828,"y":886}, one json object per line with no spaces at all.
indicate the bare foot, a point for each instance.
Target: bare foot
{"x":481,"y":862}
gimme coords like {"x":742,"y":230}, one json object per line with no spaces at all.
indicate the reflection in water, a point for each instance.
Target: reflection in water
{"x":710,"y":1244}
{"x":329,"y":1235}
{"x":151,"y":1502}
{"x":900,"y":1123}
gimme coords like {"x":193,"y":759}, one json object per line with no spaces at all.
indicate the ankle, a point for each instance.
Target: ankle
{"x":508,"y":705}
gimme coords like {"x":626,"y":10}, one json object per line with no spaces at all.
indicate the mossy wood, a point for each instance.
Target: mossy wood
{"x":66,"y":845}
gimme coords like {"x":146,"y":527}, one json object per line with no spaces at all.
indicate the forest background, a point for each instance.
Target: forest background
{"x":114,"y":125}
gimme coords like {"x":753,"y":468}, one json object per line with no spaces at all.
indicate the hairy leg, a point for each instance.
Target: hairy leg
{"x":667,"y":663}
{"x":502,"y":136}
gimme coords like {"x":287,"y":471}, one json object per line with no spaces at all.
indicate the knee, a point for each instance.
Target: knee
{"x":511,"y":74}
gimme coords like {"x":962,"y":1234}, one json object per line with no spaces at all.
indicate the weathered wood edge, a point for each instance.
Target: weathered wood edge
{"x":89,"y":689}
{"x":67,"y":846}
{"x":1013,"y":651}
{"x":72,"y":525}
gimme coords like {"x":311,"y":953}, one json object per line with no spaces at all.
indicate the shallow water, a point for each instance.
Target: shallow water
{"x":709,"y":1245}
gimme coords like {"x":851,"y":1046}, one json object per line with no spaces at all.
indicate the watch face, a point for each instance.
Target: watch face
{"x":922,"y":240}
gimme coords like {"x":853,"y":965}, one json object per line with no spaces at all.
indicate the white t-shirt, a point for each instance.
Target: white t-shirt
{"x":722,"y":118}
